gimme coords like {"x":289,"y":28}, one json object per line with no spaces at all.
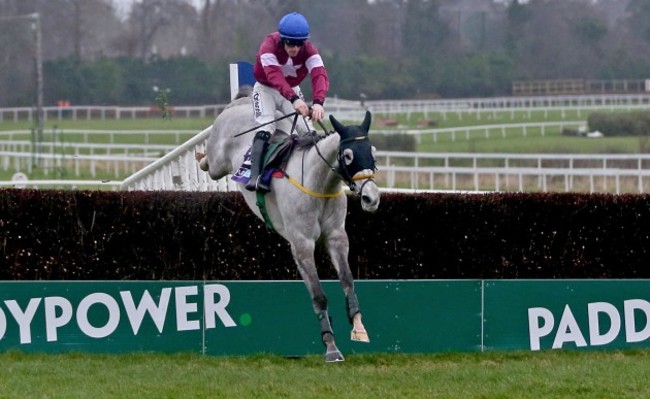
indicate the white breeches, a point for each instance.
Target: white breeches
{"x":267,"y":100}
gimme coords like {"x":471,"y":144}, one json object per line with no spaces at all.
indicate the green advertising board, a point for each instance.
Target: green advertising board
{"x":566,"y":314}
{"x":246,"y":317}
{"x":234,"y":318}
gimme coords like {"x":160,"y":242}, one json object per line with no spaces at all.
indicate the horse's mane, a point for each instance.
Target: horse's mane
{"x":308,"y":140}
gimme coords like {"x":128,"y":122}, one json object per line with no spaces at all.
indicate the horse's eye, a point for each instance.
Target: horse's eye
{"x":348,"y":156}
{"x":373,"y":151}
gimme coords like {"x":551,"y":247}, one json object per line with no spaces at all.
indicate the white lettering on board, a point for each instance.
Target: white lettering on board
{"x":541,"y":324}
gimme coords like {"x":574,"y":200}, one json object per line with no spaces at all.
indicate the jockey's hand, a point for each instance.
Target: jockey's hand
{"x":301,"y":107}
{"x":317,"y":112}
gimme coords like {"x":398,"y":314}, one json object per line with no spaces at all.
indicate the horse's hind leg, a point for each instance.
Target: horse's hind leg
{"x":338,"y":247}
{"x":303,"y":253}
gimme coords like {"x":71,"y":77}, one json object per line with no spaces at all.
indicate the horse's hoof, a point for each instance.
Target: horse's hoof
{"x":334,"y":356}
{"x":359,"y":336}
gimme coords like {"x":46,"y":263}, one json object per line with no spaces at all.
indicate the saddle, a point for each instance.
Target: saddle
{"x":276,"y":156}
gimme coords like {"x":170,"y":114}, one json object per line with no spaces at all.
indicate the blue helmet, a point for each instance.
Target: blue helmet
{"x":294,"y":26}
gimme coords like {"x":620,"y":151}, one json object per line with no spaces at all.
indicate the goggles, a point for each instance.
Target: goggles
{"x":294,"y":43}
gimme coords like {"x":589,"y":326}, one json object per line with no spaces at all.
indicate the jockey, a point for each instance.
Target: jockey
{"x":283,"y":61}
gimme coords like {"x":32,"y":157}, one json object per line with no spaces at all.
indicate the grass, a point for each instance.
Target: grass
{"x":57,"y":131}
{"x":197,"y":124}
{"x":550,"y":374}
{"x":514,"y":142}
{"x":551,"y":143}
{"x":454,"y":119}
{"x":533,"y":143}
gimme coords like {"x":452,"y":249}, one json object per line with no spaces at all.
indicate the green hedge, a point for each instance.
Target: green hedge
{"x":635,"y":123}
{"x":85,"y":235}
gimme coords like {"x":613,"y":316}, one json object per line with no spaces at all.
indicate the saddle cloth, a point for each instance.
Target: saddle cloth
{"x":275,"y":157}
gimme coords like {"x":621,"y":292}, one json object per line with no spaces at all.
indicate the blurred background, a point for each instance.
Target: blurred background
{"x":114,"y":52}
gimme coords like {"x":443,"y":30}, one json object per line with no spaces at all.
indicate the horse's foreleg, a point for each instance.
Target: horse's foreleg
{"x":338,"y":247}
{"x":359,"y":332}
{"x":304,"y":256}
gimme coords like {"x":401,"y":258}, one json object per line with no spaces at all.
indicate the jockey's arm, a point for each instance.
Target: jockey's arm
{"x":320,"y":85}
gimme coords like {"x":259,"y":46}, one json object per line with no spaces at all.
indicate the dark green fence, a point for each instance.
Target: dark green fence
{"x":402,"y":316}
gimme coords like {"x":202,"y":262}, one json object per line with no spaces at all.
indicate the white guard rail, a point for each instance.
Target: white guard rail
{"x":179,"y":170}
{"x":592,"y":180}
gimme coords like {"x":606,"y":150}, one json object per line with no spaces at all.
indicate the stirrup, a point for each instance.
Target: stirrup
{"x":257,"y":185}
{"x":251,"y":185}
{"x":261,"y":186}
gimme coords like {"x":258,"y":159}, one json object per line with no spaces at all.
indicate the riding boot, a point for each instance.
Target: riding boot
{"x":257,"y":160}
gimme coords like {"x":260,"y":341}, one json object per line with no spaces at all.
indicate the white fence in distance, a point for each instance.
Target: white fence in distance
{"x":179,"y":170}
{"x":63,"y":184}
{"x":58,"y":154}
{"x":340,"y":107}
{"x":86,"y":112}
{"x":489,"y":131}
{"x":119,"y":165}
{"x":91,"y":136}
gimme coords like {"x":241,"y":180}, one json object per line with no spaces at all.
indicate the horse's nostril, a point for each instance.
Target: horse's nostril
{"x":366,"y":199}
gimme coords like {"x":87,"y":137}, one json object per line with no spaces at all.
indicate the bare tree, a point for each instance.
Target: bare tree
{"x":405,"y":44}
{"x":159,"y":28}
{"x":231,"y":30}
{"x":17,"y":60}
{"x":81,"y":29}
{"x":147,"y":18}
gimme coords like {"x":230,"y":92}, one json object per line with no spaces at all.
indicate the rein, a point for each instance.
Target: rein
{"x":268,"y":123}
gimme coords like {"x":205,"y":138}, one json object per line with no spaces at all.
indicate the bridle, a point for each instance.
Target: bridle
{"x":342,"y":170}
{"x":351,"y":178}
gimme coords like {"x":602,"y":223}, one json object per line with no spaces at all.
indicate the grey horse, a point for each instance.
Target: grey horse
{"x":308,"y":205}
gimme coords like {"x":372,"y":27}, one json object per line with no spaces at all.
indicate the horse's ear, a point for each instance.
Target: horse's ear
{"x":366,"y":122}
{"x":337,"y":125}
